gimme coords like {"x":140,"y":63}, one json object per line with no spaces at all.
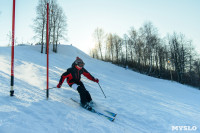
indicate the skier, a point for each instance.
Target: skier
{"x":73,"y":76}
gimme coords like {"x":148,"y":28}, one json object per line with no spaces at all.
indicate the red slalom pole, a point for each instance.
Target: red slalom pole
{"x":47,"y":41}
{"x":12,"y":51}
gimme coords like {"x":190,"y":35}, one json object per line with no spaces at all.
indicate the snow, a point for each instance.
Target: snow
{"x":143,"y":104}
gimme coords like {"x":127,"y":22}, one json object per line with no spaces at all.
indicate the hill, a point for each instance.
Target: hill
{"x":143,"y":104}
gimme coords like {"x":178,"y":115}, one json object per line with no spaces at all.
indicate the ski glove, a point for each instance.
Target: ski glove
{"x":59,"y":85}
{"x":96,"y":80}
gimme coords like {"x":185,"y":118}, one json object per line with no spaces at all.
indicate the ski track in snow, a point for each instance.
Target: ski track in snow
{"x":143,"y":104}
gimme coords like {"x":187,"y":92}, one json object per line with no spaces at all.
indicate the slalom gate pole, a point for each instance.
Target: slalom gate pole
{"x":102,"y":90}
{"x":47,"y":49}
{"x":12,"y":51}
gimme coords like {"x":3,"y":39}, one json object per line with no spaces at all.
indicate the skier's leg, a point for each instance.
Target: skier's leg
{"x":88,"y":96}
{"x":82,"y":94}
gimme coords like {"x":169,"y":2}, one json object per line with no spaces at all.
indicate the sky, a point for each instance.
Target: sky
{"x":113,"y":16}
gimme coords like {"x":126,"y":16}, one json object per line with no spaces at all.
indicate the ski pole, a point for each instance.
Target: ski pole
{"x":51,"y":88}
{"x":102,"y":90}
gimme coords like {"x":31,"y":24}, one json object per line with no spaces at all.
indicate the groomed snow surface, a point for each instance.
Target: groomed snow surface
{"x":143,"y":104}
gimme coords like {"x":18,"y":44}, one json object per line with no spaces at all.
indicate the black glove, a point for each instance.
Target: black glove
{"x":96,"y":80}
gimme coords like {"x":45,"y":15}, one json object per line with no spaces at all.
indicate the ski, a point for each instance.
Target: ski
{"x":94,"y":111}
{"x":111,"y":113}
{"x":109,"y":118}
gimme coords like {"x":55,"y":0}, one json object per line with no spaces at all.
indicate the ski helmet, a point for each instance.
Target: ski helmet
{"x":79,"y":62}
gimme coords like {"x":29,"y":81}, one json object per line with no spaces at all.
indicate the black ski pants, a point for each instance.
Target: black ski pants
{"x":84,"y":94}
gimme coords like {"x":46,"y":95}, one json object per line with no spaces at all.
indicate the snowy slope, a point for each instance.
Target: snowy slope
{"x":144,"y":104}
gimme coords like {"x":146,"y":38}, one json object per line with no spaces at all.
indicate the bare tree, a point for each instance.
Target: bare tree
{"x":192,"y":62}
{"x":57,"y":26}
{"x":117,"y":41}
{"x":61,"y":27}
{"x":197,"y":73}
{"x":99,"y":38}
{"x":126,"y":38}
{"x":94,"y":53}
{"x":149,"y":35}
{"x":109,"y":47}
{"x":9,"y":36}
{"x":135,"y":45}
{"x":40,"y":21}
{"x":180,"y":55}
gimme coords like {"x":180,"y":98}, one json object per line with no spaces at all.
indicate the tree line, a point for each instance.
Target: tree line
{"x":57,"y":23}
{"x":172,"y":57}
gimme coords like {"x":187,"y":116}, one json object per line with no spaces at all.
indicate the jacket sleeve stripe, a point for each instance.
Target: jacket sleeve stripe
{"x":63,"y":77}
{"x":88,"y":75}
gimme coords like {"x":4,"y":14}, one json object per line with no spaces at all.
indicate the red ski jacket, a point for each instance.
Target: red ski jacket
{"x":73,"y":75}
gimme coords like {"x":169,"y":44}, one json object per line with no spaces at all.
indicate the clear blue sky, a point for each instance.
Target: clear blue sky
{"x":115,"y":16}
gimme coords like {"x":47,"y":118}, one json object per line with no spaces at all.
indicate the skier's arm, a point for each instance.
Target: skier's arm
{"x":89,"y":76}
{"x":62,"y":78}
